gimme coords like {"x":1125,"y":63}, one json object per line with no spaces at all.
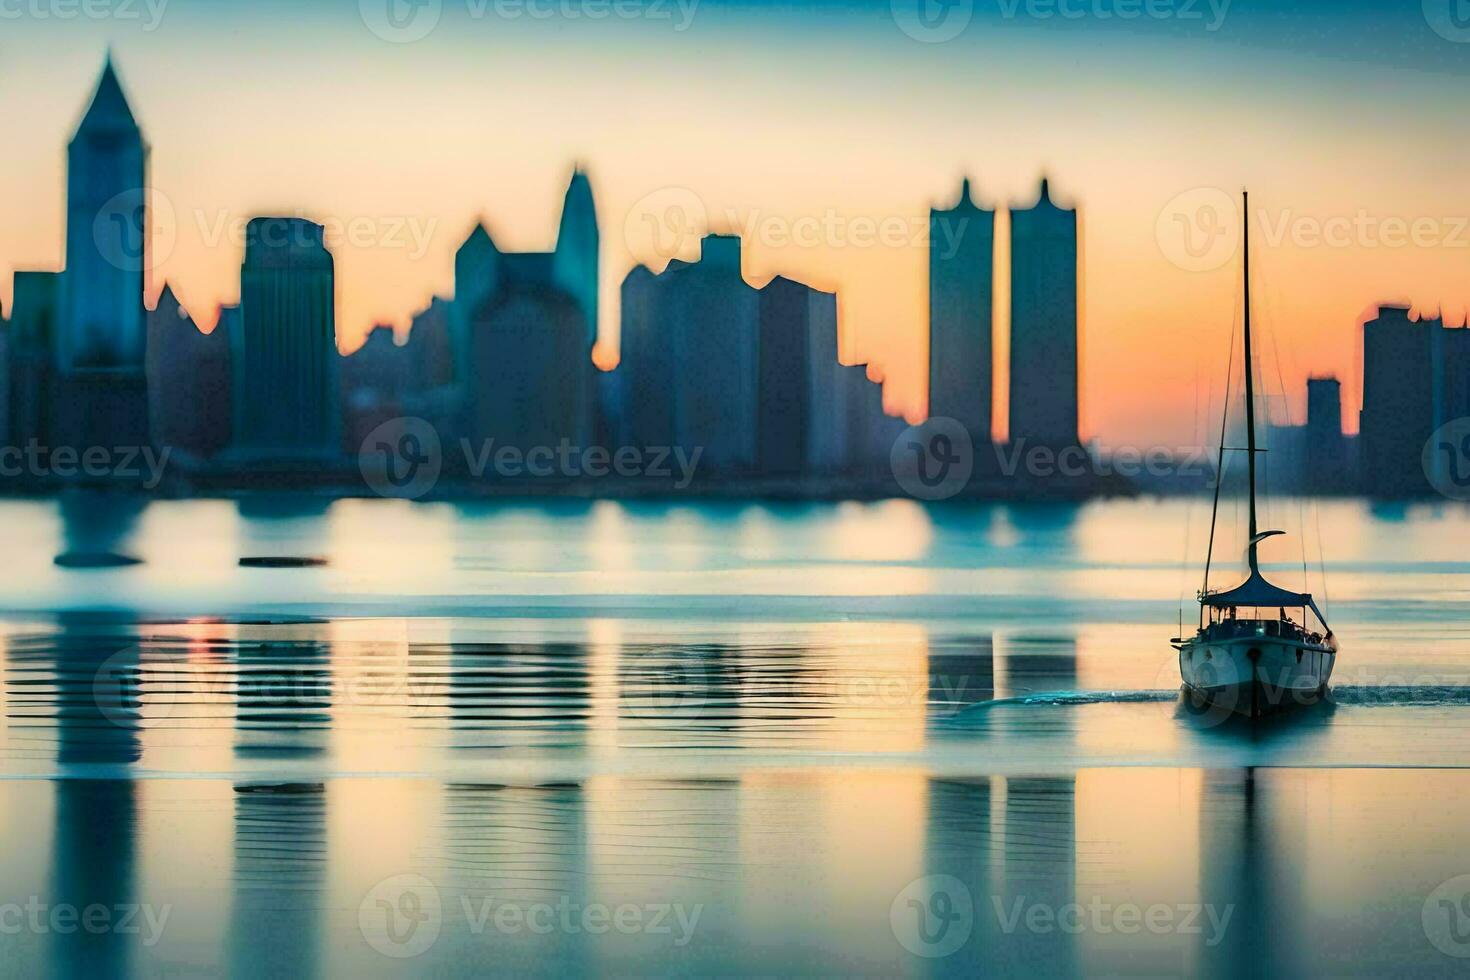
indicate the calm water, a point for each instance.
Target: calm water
{"x":715,"y":739}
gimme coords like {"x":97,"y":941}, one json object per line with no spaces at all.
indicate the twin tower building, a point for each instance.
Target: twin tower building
{"x":1044,"y":336}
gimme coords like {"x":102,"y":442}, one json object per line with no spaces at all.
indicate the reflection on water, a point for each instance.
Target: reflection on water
{"x":283,"y":698}
{"x":1128,"y":561}
{"x":1114,"y":872}
{"x":280,"y":862}
{"x":892,"y":776}
{"x":780,"y":786}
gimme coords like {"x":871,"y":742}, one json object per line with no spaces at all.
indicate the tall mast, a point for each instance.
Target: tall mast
{"x":1250,"y":384}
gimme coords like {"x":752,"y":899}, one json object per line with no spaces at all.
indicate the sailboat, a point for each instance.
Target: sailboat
{"x":1256,"y":649}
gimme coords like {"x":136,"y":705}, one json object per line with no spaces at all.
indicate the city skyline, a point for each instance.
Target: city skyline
{"x":1133,"y":297}
{"x":749,"y":377}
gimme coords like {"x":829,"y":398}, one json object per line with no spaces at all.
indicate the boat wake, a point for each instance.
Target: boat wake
{"x":1396,"y":696}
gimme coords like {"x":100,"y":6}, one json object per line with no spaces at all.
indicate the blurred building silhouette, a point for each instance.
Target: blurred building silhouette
{"x":789,"y":344}
{"x":380,"y":366}
{"x":610,"y":426}
{"x":1409,"y":390}
{"x":828,"y":451}
{"x":430,"y":391}
{"x":577,"y":258}
{"x":961,"y":269}
{"x":189,"y":396}
{"x":576,"y":270}
{"x":286,"y":372}
{"x":646,"y":364}
{"x":376,"y":378}
{"x":4,"y":381}
{"x":712,"y":320}
{"x":486,"y":278}
{"x":35,"y":312}
{"x":751,"y":376}
{"x":106,"y":235}
{"x":871,"y":432}
{"x":476,"y":277}
{"x":531,"y":366}
{"x":430,"y":353}
{"x":100,"y":394}
{"x":1044,"y":381}
{"x":1328,"y":457}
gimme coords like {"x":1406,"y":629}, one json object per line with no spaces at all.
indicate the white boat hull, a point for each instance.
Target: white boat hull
{"x":1256,"y":675}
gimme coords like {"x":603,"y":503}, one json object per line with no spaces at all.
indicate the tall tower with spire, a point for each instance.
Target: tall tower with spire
{"x":1044,"y":343}
{"x":107,"y":241}
{"x":576,"y":264}
{"x":961,"y":293}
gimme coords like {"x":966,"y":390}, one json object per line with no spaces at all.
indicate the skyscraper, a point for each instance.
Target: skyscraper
{"x":107,"y":240}
{"x":785,"y":407}
{"x":1044,"y":392}
{"x":713,"y":321}
{"x":476,"y":278}
{"x":99,"y":396}
{"x":829,"y":393}
{"x":286,"y":367}
{"x":35,"y":314}
{"x":1453,"y":401}
{"x":531,"y":368}
{"x":576,"y":271}
{"x":646,"y":359}
{"x":4,"y":382}
{"x":577,"y":256}
{"x":610,"y":410}
{"x":1326,"y":448}
{"x":1398,"y":401}
{"x":961,"y":268}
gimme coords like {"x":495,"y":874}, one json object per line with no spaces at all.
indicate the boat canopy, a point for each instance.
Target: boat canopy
{"x":1256,"y":591}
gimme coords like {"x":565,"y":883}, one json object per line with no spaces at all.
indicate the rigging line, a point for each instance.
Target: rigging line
{"x":1189,"y":509}
{"x":1220,"y":461}
{"x":1302,"y":463}
{"x":1194,"y":435}
{"x":1322,"y":558}
{"x":1301,"y":512}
